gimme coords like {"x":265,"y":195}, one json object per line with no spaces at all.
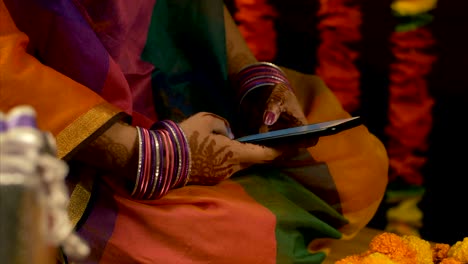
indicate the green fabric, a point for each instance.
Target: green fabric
{"x":297,"y":211}
{"x":186,"y":44}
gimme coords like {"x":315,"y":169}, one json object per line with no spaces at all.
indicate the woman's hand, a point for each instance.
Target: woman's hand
{"x":282,"y":110}
{"x":272,"y":108}
{"x":214,"y":155}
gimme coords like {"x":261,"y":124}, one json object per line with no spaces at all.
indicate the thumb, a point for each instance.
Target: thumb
{"x":253,"y":154}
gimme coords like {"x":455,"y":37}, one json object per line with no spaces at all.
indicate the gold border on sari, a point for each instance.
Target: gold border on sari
{"x":82,"y":131}
{"x":85,"y":128}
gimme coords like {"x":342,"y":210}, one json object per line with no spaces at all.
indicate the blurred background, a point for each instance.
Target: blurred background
{"x":401,"y":65}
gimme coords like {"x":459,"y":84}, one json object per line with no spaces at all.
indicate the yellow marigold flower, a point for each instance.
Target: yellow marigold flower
{"x":459,"y":251}
{"x":422,"y":247}
{"x":450,"y":261}
{"x":413,"y":7}
{"x":353,"y":259}
{"x":377,"y":258}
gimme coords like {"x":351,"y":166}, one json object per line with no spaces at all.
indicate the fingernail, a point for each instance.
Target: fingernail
{"x":230,"y":134}
{"x":269,"y":118}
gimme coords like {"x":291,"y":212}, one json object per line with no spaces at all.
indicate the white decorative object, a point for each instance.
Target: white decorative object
{"x":33,"y":194}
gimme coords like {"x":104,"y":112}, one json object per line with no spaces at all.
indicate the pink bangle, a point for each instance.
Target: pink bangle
{"x":162,"y":176}
{"x":167,"y":166}
{"x":143,"y":175}
{"x":147,"y":167}
{"x":163,"y":160}
{"x":140,"y":161}
{"x":182,"y":159}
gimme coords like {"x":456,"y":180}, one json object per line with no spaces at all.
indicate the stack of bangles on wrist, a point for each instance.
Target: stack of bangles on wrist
{"x":257,"y":75}
{"x":163,"y":160}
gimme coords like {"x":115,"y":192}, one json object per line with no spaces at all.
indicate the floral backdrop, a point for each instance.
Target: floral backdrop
{"x":398,"y":64}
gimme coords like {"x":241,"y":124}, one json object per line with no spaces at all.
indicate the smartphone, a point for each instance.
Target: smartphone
{"x":297,"y":134}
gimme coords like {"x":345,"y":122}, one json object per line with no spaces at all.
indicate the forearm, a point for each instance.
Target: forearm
{"x":115,"y":151}
{"x":238,"y":53}
{"x":147,"y":163}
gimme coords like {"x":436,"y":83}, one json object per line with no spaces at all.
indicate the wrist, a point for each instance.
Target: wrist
{"x":258,"y":75}
{"x":255,"y":84}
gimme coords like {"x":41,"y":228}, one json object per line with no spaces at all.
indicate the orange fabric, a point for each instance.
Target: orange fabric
{"x":24,"y":80}
{"x":210,"y":211}
{"x":183,"y":226}
{"x":357,"y":160}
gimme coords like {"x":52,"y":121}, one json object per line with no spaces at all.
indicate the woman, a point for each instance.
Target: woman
{"x":101,"y":73}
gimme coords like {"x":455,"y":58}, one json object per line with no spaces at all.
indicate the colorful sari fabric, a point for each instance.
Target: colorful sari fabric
{"x":83,"y":65}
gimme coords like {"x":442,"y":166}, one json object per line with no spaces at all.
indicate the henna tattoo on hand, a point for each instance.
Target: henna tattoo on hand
{"x":209,"y":164}
{"x":279,"y":94}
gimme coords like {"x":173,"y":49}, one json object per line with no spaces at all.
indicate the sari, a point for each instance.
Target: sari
{"x":84,"y":65}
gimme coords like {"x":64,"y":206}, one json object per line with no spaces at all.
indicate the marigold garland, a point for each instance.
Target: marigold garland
{"x":339,"y":26}
{"x":396,"y":249}
{"x":256,"y":20}
{"x":413,"y":7}
{"x":410,"y":104}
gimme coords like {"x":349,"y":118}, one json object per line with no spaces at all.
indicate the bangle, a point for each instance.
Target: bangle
{"x":168,"y":163}
{"x":140,"y":161}
{"x":257,"y":75}
{"x":160,"y":183}
{"x":156,"y":164}
{"x":163,"y":160}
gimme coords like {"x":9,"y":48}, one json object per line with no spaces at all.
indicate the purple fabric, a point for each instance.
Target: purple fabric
{"x":122,"y":28}
{"x":80,"y":55}
{"x":99,"y":224}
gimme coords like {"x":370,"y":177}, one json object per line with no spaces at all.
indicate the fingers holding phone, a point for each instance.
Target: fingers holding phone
{"x":214,"y":155}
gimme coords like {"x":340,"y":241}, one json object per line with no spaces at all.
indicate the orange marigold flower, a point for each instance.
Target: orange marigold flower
{"x":439,"y":252}
{"x":394,"y":247}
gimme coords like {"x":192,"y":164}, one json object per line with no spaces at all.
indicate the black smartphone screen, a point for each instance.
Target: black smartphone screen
{"x":302,"y":132}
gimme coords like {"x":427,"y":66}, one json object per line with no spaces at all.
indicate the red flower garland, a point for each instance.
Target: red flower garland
{"x":255,"y":20}
{"x":410,"y":104}
{"x":410,"y":116}
{"x":340,"y":26}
